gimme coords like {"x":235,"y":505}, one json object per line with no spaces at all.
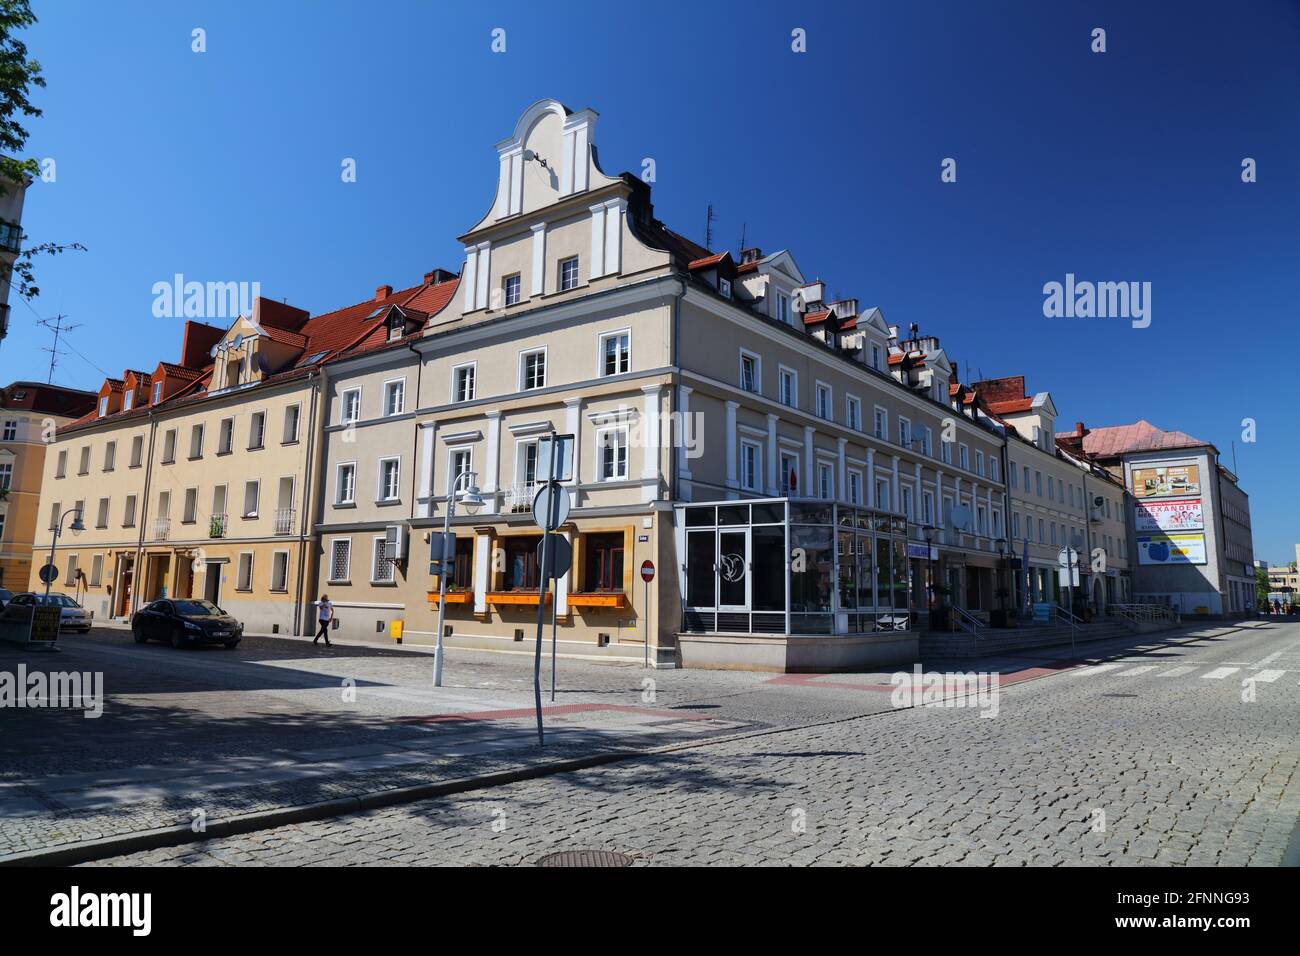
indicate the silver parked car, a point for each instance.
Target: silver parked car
{"x":72,"y":616}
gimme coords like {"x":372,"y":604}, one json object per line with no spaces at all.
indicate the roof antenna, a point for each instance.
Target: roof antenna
{"x":56,"y":326}
{"x":743,"y":227}
{"x":708,"y":228}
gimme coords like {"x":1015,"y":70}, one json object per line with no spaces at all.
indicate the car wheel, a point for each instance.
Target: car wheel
{"x":178,"y":639}
{"x":138,"y":635}
{"x":231,"y":645}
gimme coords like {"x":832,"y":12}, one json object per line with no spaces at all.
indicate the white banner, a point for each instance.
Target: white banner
{"x":1171,"y":549}
{"x":1174,"y":514}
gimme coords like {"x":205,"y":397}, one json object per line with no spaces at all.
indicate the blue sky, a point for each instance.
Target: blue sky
{"x":1122,"y":166}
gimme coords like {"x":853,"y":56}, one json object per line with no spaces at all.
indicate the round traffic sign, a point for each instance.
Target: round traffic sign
{"x":647,"y":571}
{"x":48,"y":574}
{"x":557,"y":504}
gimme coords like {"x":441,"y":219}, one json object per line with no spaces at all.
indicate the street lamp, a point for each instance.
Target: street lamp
{"x":77,"y":527}
{"x":472,"y":500}
{"x":927,"y":532}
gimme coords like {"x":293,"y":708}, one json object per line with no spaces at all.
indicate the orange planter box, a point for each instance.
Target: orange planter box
{"x":515,"y":597}
{"x":453,"y":597}
{"x":598,"y":599}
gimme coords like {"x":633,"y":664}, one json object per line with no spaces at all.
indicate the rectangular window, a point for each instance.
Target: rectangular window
{"x":511,"y":288}
{"x":196,"y":441}
{"x":963,"y":457}
{"x":110,"y":456}
{"x":788,"y":388}
{"x":164,"y":504}
{"x":927,"y":507}
{"x":226,"y":436}
{"x":340,"y":560}
{"x":1038,"y":483}
{"x":1012,"y":474}
{"x":783,"y":308}
{"x":101,"y":518}
{"x":381,"y":568}
{"x":84,"y":467}
{"x":853,"y":413}
{"x":789,"y":474}
{"x":1015,"y":525}
{"x":532,"y":370}
{"x":749,"y":372}
{"x":979,"y":462}
{"x":521,"y":571}
{"x":257,"y":430}
{"x":96,"y":570}
{"x":825,"y":481}
{"x":252,"y":490}
{"x":157,"y":392}
{"x":350,"y":407}
{"x":569,"y":274}
{"x":855,"y":487}
{"x":616,"y":357}
{"x":882,"y":495}
{"x":345,"y":484}
{"x":603,"y":569}
{"x":612,"y":454}
{"x":169,"y":447}
{"x":244,"y":576}
{"x":6,"y":476}
{"x":929,"y":442}
{"x":724,"y":286}
{"x":61,"y":468}
{"x":824,"y":402}
{"x":103,"y":406}
{"x":280,"y":571}
{"x":191,"y":506}
{"x":882,"y":424}
{"x":904,"y":432}
{"x":128,"y":513}
{"x":389,"y":478}
{"x":751,"y":456}
{"x":128,"y":399}
{"x":463,"y":383}
{"x":291,"y":415}
{"x":995,"y":468}
{"x":906,"y":492}
{"x":395,"y":397}
{"x":462,"y":463}
{"x":945,"y":450}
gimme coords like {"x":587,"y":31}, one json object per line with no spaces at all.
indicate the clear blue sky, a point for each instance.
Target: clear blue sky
{"x":1120,"y":166}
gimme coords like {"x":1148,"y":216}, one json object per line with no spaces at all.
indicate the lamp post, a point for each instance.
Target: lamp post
{"x":472,"y":500}
{"x":927,"y":532}
{"x":1004,"y":562}
{"x":76,"y":526}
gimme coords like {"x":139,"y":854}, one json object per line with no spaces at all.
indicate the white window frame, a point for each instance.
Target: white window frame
{"x":519,"y":289}
{"x":782,"y":457}
{"x":381,"y":492}
{"x":379,"y":540}
{"x":388,"y":392}
{"x":626,"y":353}
{"x":339,"y":484}
{"x":853,"y":412}
{"x":456,"y":370}
{"x":240,"y":583}
{"x":344,"y":418}
{"x":577,"y":273}
{"x":881,"y":433}
{"x":825,"y":475}
{"x":284,"y":585}
{"x":963,"y":457}
{"x":523,"y":364}
{"x":257,"y":424}
{"x":285,"y":437}
{"x":452,"y":471}
{"x":783,"y":374}
{"x":758,"y":371}
{"x":751,"y":479}
{"x":257,"y":500}
{"x":904,"y":432}
{"x":854,"y":490}
{"x":334,"y":543}
{"x":825,"y":410}
{"x":625,"y":443}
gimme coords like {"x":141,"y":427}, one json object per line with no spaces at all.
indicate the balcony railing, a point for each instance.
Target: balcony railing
{"x":284,"y":521}
{"x":162,"y":528}
{"x":217,"y":526}
{"x":519,"y":497}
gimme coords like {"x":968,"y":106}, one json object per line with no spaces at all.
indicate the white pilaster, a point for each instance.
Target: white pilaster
{"x":573,"y":425}
{"x":896,"y":500}
{"x":597,"y":264}
{"x":539,"y":260}
{"x":773,"y":458}
{"x":809,"y":467}
{"x":484,"y":269}
{"x":651,"y":466}
{"x":492,"y":468}
{"x":428,"y":438}
{"x":517,"y":182}
{"x":482,"y":571}
{"x":684,"y":410}
{"x":732,"y":481}
{"x":469,"y":277}
{"x":614,"y":210}
{"x":842,"y":485}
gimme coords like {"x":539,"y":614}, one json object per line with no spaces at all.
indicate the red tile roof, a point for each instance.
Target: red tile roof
{"x":285,"y":337}
{"x":707,"y":261}
{"x":1013,"y":406}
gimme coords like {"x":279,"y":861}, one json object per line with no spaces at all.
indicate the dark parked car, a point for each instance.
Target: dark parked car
{"x":5,"y":596}
{"x":183,"y":622}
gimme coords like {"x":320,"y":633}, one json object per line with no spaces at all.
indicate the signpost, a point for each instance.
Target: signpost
{"x":48,"y":574}
{"x":1068,"y":559}
{"x":647,"y":575}
{"x":550,"y":509}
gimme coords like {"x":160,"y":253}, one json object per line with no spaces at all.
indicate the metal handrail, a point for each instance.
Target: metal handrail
{"x":968,"y":621}
{"x":1138,"y":613}
{"x":1060,"y":612}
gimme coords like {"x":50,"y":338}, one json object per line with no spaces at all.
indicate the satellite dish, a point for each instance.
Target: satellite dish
{"x":959,"y":518}
{"x":237,"y":341}
{"x":213,"y":351}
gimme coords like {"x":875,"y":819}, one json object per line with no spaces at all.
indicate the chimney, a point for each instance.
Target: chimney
{"x":845,"y":307}
{"x":383,"y":292}
{"x":752,"y":254}
{"x":437,"y":276}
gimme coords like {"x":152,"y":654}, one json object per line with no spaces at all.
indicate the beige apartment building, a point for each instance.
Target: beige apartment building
{"x":1058,"y":500}
{"x":31,"y":413}
{"x":684,"y":377}
{"x":195,"y":479}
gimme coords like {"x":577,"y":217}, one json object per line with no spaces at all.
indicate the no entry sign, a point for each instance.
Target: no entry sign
{"x":647,"y":571}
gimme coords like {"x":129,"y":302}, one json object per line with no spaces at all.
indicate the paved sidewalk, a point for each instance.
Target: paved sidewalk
{"x":214,"y":736}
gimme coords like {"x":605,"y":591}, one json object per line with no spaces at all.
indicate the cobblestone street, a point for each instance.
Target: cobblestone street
{"x":1185,"y":753}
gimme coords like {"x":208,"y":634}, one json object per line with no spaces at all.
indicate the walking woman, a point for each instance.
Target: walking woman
{"x":325,"y":614}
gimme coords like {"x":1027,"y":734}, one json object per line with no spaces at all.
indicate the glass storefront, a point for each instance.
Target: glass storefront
{"x":794,"y":567}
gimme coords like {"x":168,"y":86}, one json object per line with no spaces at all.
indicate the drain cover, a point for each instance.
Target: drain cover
{"x":585,"y":858}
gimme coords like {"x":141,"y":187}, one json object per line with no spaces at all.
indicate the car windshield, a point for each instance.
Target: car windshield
{"x":196,"y":608}
{"x":56,"y":600}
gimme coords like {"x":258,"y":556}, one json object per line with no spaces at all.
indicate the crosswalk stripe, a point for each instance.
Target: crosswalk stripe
{"x":1178,"y":671}
{"x":1096,"y":668}
{"x":1220,"y":672}
{"x":1134,"y":671}
{"x":1266,"y":677}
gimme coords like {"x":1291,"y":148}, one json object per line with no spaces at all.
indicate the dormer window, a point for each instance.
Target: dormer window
{"x":724,"y":287}
{"x":783,"y":308}
{"x":103,"y":406}
{"x":396,"y":325}
{"x":128,"y":399}
{"x":157,"y":392}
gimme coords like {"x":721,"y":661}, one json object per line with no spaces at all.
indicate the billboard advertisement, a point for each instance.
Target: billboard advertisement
{"x":1171,"y":549}
{"x":1170,"y":514}
{"x":1166,"y":481}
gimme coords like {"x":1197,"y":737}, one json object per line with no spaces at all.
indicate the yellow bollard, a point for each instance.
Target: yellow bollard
{"x":395,"y":629}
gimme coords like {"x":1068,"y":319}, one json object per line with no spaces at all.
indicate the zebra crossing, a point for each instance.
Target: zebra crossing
{"x":1202,"y":671}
